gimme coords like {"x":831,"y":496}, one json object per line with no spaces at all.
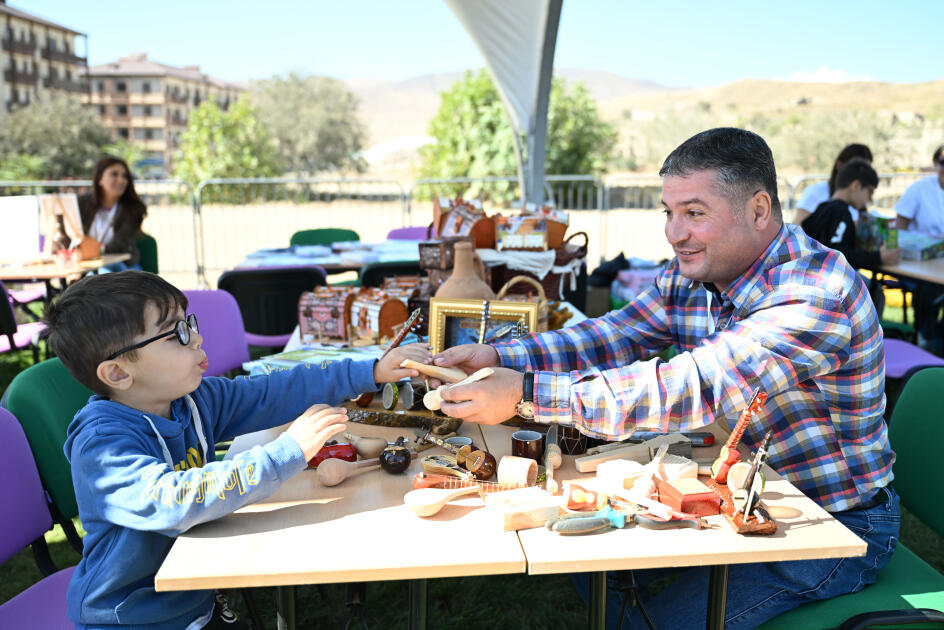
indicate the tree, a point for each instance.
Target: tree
{"x":132,"y":154}
{"x":313,"y":120}
{"x":220,"y":144}
{"x":474,"y":137}
{"x":62,"y":138}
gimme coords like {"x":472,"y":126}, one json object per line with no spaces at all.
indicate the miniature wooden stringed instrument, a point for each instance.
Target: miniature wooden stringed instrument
{"x":477,"y":462}
{"x":729,"y":454}
{"x":412,"y":323}
{"x":429,"y":480}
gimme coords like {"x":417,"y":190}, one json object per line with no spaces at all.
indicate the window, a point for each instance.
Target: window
{"x":123,"y":132}
{"x":146,"y":87}
{"x":121,"y":110}
{"x":147,"y":108}
{"x":102,"y":110}
{"x":121,"y":86}
{"x":99,"y":86}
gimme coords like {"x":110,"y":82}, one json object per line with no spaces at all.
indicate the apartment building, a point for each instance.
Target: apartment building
{"x":148,"y":103}
{"x":38,"y":56}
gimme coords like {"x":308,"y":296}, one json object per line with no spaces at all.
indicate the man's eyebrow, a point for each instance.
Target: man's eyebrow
{"x":694,"y":201}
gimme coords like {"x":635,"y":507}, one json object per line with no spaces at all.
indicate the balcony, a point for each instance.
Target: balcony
{"x":177,"y":97}
{"x":58,"y":83}
{"x":22,"y":46}
{"x":178,"y":120}
{"x":21,"y":77}
{"x":64,"y":56}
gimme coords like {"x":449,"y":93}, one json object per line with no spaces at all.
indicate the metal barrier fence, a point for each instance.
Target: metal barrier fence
{"x":891,"y":186}
{"x":239,"y":216}
{"x":170,"y":219}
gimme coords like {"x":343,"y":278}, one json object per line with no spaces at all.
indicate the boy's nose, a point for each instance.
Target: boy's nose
{"x":196,"y":340}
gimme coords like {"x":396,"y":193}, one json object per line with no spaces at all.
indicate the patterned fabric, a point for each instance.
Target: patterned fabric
{"x":798,"y":324}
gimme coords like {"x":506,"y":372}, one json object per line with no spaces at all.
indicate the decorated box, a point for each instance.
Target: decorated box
{"x":374,"y":313}
{"x":325,"y":313}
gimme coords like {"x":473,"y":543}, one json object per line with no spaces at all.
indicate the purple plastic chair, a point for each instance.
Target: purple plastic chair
{"x":417,"y":233}
{"x":17,"y":336}
{"x":25,"y":518}
{"x":901,"y":356}
{"x":221,"y":326}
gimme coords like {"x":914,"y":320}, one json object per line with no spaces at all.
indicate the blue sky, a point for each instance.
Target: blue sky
{"x":680,"y":43}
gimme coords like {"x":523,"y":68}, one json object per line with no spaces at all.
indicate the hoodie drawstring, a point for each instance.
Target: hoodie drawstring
{"x":197,"y":425}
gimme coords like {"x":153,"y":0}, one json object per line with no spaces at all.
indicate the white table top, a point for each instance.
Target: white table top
{"x":929,"y":270}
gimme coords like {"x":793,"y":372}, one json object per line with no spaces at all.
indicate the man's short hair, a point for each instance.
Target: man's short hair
{"x":938,"y":152}
{"x":99,"y":315}
{"x":741,"y":158}
{"x":856,"y":170}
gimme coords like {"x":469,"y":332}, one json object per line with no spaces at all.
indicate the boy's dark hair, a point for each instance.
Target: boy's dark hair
{"x":742,"y":159}
{"x":99,"y":315}
{"x":856,"y":170}
{"x":938,"y":152}
{"x":849,"y":152}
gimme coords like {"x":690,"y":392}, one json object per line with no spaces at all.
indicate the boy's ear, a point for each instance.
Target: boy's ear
{"x":113,"y":375}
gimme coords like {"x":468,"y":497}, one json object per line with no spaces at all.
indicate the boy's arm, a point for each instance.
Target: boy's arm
{"x":246,"y":404}
{"x":127,"y":486}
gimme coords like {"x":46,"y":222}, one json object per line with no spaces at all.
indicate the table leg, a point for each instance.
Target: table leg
{"x":285,"y":607}
{"x":717,"y":596}
{"x":596,"y":603}
{"x":418,"y":589}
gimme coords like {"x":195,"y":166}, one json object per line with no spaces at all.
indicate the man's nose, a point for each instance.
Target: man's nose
{"x":675,"y":231}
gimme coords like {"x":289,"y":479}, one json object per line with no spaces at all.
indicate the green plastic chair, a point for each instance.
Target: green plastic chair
{"x":44,"y":398}
{"x":907,"y":584}
{"x":323,"y":236}
{"x":147,"y":246}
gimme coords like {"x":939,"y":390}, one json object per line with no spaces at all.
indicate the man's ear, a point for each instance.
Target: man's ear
{"x":760,"y":207}
{"x":113,"y":375}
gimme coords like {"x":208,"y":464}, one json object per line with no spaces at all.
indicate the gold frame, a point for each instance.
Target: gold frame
{"x":441,"y":309}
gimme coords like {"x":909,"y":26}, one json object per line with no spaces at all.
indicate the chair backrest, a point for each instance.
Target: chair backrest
{"x":44,"y":398}
{"x":323,"y":236}
{"x":147,"y":247}
{"x":24,"y":516}
{"x":373,"y":274}
{"x":916,"y":433}
{"x":268,"y":298}
{"x":413,"y":233}
{"x":7,"y":316}
{"x":221,"y":326}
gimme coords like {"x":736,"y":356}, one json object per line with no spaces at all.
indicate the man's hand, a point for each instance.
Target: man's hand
{"x":316,"y":426}
{"x":388,"y":370}
{"x":469,"y":358}
{"x":490,"y":401}
{"x":889,"y":256}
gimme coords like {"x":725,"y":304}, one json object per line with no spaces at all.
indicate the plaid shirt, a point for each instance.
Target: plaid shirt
{"x":798,"y":323}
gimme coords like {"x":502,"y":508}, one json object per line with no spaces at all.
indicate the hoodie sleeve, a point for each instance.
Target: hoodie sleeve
{"x":124,"y":484}
{"x":246,"y":404}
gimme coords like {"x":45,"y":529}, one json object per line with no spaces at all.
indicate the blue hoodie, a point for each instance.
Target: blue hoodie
{"x":133,"y":504}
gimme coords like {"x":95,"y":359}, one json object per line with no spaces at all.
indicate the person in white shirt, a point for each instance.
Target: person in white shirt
{"x":113,"y":212}
{"x":820,"y":192}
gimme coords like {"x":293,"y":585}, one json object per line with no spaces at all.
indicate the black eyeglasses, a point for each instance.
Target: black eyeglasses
{"x":182,"y":329}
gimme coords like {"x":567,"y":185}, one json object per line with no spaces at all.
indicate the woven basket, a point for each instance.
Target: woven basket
{"x":540,"y":298}
{"x":568,"y":251}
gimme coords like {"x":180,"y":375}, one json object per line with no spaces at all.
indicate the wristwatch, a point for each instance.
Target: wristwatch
{"x":525,"y":408}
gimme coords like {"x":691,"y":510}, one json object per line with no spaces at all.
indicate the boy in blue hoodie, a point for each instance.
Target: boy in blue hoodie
{"x":142,"y":449}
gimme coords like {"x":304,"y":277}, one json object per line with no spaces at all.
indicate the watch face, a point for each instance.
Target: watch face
{"x":525,"y":409}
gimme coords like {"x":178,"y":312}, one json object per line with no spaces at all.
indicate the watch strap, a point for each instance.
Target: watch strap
{"x":527,"y":387}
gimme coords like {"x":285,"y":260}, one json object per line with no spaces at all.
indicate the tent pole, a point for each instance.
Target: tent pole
{"x":537,"y":138}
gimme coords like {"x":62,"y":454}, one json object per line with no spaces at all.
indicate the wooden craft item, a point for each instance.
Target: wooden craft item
{"x":645,"y":486}
{"x":759,"y":522}
{"x":521,"y":471}
{"x":690,"y":496}
{"x":390,"y":396}
{"x":516,"y":496}
{"x":753,"y":484}
{"x":445,"y":465}
{"x":421,"y":418}
{"x":396,"y":458}
{"x":445,"y":374}
{"x":528,"y":515}
{"x":580,"y":497}
{"x":331,"y":472}
{"x":334,"y":450}
{"x":477,"y":462}
{"x":466,"y":281}
{"x":678,"y":467}
{"x":411,"y":395}
{"x":433,"y":399}
{"x":438,"y":254}
{"x":422,"y":445}
{"x":641,"y":453}
{"x":430,"y":480}
{"x":552,"y":459}
{"x":457,"y":217}
{"x":429,"y":501}
{"x":619,"y":473}
{"x":412,"y":322}
{"x":538,"y":296}
{"x":737,"y":475}
{"x":366,"y":447}
{"x":374,"y":314}
{"x":729,"y":454}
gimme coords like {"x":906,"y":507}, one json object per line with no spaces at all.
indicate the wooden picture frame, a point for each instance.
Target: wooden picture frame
{"x":454,"y":322}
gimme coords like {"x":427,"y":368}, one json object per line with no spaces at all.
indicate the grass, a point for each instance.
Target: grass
{"x":506,"y":601}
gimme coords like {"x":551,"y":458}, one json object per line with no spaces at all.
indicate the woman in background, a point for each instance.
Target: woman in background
{"x":819,"y":192}
{"x":112,"y":214}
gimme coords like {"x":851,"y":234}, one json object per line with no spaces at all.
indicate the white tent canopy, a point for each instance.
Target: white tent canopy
{"x":517,"y":39}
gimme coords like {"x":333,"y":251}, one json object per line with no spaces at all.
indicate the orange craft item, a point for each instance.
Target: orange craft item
{"x":729,"y":454}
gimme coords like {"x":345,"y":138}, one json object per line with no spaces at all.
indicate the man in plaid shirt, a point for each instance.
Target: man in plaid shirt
{"x":750,"y":303}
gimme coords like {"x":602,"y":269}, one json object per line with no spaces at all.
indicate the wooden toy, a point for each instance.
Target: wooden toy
{"x":552,"y":459}
{"x":411,"y":395}
{"x":430,"y":480}
{"x":331,"y":472}
{"x":678,"y":467}
{"x":644,"y":486}
{"x":758,"y":522}
{"x":520,"y":471}
{"x":325,"y":312}
{"x":445,"y":374}
{"x":396,"y":458}
{"x":445,"y":465}
{"x":690,"y":496}
{"x":422,"y":445}
{"x":390,"y":395}
{"x":746,"y":496}
{"x":477,"y":462}
{"x":729,"y":454}
{"x":580,"y":497}
{"x":374,"y":314}
{"x":412,"y":322}
{"x":429,"y":501}
{"x":519,"y":516}
{"x":619,"y":473}
{"x":333,"y":451}
{"x":641,"y":453}
{"x":433,"y":399}
{"x":366,"y":447}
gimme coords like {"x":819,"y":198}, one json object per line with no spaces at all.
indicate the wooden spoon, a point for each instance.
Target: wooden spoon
{"x":428,"y":501}
{"x":448,"y":375}
{"x":333,"y":471}
{"x":366,"y":447}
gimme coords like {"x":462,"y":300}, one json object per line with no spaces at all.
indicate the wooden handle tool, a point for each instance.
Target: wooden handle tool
{"x":333,"y":471}
{"x":448,"y":375}
{"x":433,"y":400}
{"x":428,"y":501}
{"x":366,"y":447}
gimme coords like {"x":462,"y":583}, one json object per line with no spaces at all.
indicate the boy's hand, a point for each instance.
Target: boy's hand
{"x":889,"y":256}
{"x":388,"y":370}
{"x":316,"y":426}
{"x":469,"y":358}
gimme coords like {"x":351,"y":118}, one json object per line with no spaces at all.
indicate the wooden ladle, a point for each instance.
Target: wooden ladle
{"x":366,"y":447}
{"x":333,"y":471}
{"x":428,"y":501}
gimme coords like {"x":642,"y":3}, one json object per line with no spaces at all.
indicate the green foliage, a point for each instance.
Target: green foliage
{"x":474,"y":137}
{"x":227,"y":144}
{"x":22,"y":168}
{"x":55,"y":137}
{"x":314,"y":122}
{"x":132,"y":154}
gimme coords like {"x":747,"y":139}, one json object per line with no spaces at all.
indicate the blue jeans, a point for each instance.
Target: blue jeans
{"x":761,"y":591}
